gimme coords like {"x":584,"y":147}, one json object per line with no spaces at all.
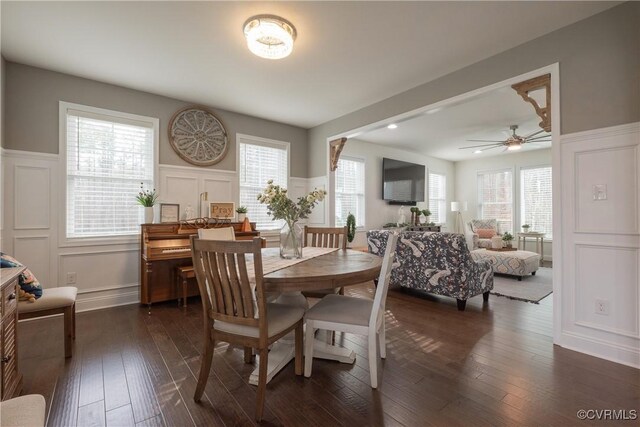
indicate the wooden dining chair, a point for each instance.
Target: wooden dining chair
{"x":354,"y":315}
{"x":230,"y":312}
{"x":325,"y":237}
{"x":218,"y":233}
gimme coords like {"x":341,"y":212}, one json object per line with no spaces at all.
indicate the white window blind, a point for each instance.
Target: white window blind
{"x":438,"y":198}
{"x":108,"y":157}
{"x":260,"y":162}
{"x":495,"y":198}
{"x":536,"y":201}
{"x":349,"y":191}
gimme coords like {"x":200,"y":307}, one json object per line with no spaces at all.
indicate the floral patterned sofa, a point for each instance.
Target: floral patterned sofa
{"x":438,"y":263}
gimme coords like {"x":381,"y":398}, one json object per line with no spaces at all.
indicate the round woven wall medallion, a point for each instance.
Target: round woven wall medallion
{"x":198,"y":136}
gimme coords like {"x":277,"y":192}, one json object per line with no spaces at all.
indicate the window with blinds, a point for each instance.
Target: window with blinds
{"x":495,"y":198}
{"x":259,"y":162}
{"x":108,"y":157}
{"x":438,"y":198}
{"x":535,"y":200}
{"x":349,"y":191}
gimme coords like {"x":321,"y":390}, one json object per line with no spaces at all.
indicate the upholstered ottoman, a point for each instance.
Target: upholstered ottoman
{"x":515,"y":263}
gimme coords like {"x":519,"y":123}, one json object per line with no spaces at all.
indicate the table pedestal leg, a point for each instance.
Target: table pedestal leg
{"x":283,"y":351}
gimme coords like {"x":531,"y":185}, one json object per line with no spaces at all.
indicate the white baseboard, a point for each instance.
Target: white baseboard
{"x":106,"y":301}
{"x":602,"y":349}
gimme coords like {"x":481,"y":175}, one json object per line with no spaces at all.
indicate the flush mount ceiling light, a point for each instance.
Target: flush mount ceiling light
{"x":392,"y":126}
{"x":269,"y":36}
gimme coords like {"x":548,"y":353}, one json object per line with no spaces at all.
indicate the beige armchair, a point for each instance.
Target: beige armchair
{"x":482,"y":224}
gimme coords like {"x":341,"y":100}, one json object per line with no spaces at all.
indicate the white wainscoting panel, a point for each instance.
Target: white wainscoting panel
{"x":183,"y":185}
{"x":102,"y":274}
{"x":612,"y":273}
{"x":34,"y":251}
{"x":601,"y":243}
{"x":31,"y":196}
{"x":319,"y":215}
{"x":614,"y":168}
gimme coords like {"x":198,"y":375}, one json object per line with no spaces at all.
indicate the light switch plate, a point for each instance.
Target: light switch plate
{"x":600,"y":192}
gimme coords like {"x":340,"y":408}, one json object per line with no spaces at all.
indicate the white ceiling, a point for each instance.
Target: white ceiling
{"x":441,"y":133}
{"x":348,"y":54}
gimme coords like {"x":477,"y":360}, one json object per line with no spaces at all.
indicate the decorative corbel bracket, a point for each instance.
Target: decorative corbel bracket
{"x":335,"y":148}
{"x":536,"y":83}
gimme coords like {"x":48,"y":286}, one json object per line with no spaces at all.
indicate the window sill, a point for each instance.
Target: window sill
{"x":72,"y":242}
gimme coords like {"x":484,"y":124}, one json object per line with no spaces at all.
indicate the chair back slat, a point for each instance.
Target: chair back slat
{"x":380,"y":297}
{"x":225,"y":286}
{"x":326,"y":237}
{"x":245,"y":287}
{"x":221,"y":270}
{"x":234,"y":281}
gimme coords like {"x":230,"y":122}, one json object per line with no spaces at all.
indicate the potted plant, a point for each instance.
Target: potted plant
{"x":415,"y":215}
{"x":351,"y":227}
{"x":525,"y":228}
{"x":427,"y":214}
{"x":280,"y":206}
{"x":147,"y":198}
{"x":242,"y":213}
{"x":507,"y":238}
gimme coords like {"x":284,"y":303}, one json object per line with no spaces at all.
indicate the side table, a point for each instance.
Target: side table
{"x":539,"y":238}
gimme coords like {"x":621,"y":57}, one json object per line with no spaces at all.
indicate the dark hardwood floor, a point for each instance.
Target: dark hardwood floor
{"x":493,"y":364}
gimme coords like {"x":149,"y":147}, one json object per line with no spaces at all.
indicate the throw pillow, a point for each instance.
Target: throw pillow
{"x":486,"y":233}
{"x":27,"y":281}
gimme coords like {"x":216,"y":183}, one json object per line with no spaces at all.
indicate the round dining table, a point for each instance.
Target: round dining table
{"x":342,"y":267}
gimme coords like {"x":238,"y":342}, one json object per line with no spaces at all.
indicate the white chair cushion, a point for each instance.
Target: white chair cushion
{"x":222,"y":233}
{"x":279,"y":318}
{"x":51,"y":298}
{"x":341,"y":309}
{"x":23,"y":411}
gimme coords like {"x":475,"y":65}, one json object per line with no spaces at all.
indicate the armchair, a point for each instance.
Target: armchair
{"x":481,"y":241}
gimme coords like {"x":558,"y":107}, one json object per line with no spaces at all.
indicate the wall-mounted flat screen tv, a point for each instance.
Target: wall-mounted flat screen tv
{"x":402,"y":182}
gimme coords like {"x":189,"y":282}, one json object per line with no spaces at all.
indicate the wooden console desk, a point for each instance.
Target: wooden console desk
{"x":165,"y":247}
{"x":10,"y":377}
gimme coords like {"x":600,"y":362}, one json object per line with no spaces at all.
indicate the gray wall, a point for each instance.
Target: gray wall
{"x":599,"y":79}
{"x":31,"y":105}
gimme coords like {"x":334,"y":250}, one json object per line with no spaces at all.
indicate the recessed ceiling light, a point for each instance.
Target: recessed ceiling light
{"x":392,"y":126}
{"x":477,"y":152}
{"x":269,"y":36}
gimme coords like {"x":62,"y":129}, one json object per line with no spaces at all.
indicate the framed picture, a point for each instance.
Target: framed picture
{"x":222,"y":210}
{"x":169,"y":212}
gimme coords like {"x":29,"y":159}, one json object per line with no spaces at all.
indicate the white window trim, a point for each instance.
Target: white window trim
{"x":63,"y":107}
{"x":364,"y":161}
{"x":519,"y":191}
{"x":446,"y":193}
{"x":514,"y":194}
{"x":265,"y":142}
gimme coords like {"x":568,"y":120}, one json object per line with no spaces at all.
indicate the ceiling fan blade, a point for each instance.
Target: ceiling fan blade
{"x":537,"y":140}
{"x":534,"y":133}
{"x":485,"y":140}
{"x":480,"y":146}
{"x":491,"y":148}
{"x":538,"y":137}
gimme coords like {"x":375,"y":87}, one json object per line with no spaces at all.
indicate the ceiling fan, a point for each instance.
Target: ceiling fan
{"x":514,"y":142}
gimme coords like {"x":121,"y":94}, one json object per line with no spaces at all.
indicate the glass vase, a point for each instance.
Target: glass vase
{"x":291,"y":241}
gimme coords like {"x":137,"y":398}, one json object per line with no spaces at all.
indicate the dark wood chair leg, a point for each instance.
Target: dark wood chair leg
{"x":68,"y":331}
{"x":184,"y":292}
{"x":262,"y":382}
{"x":485,"y":296}
{"x":519,"y":278}
{"x":298,"y":347}
{"x":205,"y":366}
{"x":73,"y":314}
{"x":462,"y":303}
{"x":248,"y":354}
{"x":533,"y":274}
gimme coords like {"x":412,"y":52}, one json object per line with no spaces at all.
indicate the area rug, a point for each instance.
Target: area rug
{"x":531,"y":288}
